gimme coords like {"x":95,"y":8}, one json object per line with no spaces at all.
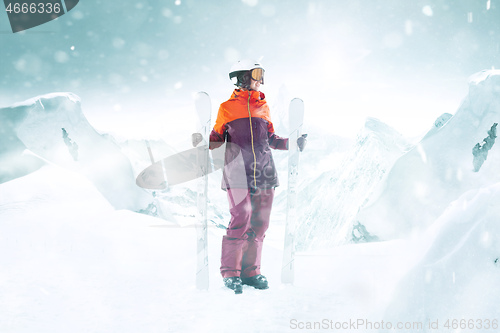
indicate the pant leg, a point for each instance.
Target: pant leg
{"x":262,"y":202}
{"x":235,"y":241}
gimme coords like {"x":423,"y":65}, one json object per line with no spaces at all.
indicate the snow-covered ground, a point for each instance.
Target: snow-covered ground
{"x":75,"y":258}
{"x":72,"y":263}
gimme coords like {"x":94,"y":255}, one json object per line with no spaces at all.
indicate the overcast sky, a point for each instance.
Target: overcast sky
{"x":404,"y":62}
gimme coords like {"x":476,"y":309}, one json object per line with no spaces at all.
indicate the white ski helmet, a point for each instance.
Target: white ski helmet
{"x":243,"y":70}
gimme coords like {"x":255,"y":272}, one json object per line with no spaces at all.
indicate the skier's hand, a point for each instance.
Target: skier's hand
{"x":196,"y":138}
{"x":301,"y":142}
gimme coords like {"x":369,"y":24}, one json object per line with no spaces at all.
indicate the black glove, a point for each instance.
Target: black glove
{"x":196,"y":138}
{"x":301,"y":142}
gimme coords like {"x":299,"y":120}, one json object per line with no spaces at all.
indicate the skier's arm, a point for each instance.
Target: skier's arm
{"x":277,"y":142}
{"x":217,"y":136}
{"x":216,"y":140}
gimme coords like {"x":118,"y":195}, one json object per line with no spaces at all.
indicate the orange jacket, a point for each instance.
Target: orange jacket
{"x":237,"y":107}
{"x":244,"y":122}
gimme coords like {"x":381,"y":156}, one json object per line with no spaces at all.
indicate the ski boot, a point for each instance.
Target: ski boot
{"x":257,"y":281}
{"x":234,"y":283}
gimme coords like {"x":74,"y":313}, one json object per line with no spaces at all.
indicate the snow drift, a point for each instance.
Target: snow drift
{"x":458,"y":277}
{"x":55,"y":129}
{"x":437,"y":171}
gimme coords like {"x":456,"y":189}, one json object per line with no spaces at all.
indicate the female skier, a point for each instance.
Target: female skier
{"x":249,"y":175}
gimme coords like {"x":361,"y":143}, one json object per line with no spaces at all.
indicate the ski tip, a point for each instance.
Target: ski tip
{"x":201,"y":93}
{"x":202,"y":100}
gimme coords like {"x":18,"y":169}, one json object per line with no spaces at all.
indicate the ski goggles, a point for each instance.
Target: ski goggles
{"x":257,"y":74}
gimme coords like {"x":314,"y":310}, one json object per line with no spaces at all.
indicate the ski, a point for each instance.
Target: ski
{"x":295,"y":120}
{"x":203,"y":109}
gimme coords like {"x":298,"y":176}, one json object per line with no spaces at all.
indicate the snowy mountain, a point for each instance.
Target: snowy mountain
{"x":336,"y":195}
{"x":55,"y":129}
{"x":84,"y":250}
{"x":437,"y":171}
{"x":75,"y":257}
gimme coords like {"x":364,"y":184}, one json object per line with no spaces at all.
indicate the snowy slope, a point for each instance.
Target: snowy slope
{"x":423,"y":182}
{"x":336,"y":195}
{"x":72,"y":263}
{"x":54,"y":127}
{"x":458,"y":277}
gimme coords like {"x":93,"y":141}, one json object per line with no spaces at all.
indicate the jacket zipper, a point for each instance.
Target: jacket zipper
{"x":251,"y":135}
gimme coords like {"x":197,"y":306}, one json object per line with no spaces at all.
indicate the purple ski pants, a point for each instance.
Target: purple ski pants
{"x":242,"y":245}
